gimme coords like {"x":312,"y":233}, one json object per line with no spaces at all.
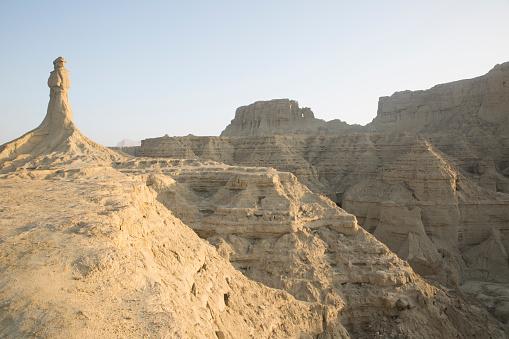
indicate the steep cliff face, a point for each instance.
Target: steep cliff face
{"x":278,"y":232}
{"x":86,"y":251}
{"x":98,"y":247}
{"x":400,"y":187}
{"x":429,"y":176}
{"x":485,"y":97}
{"x":468,"y":120}
{"x":280,"y":116}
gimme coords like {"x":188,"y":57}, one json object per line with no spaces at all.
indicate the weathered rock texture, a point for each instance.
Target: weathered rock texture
{"x":280,"y":116}
{"x":429,"y":176}
{"x":92,"y":249}
{"x":468,"y":120}
{"x":56,"y":139}
{"x":93,"y":254}
{"x":485,"y":97}
{"x":378,"y":178}
{"x":276,"y":231}
{"x":86,"y":251}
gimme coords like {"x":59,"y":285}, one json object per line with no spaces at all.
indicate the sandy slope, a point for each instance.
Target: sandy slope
{"x":91,"y":253}
{"x":88,"y":251}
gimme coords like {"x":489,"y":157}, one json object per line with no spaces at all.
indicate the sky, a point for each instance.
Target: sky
{"x":142,"y":69}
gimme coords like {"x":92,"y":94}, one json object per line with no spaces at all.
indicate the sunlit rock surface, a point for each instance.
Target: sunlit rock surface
{"x":98,"y":244}
{"x":429,"y":176}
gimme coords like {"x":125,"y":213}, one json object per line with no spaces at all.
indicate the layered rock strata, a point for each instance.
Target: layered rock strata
{"x":86,"y":251}
{"x":376,"y":177}
{"x":281,"y":116}
{"x":276,"y":231}
{"x":485,"y":97}
{"x":91,"y":252}
{"x":468,"y":120}
{"x":429,"y":176}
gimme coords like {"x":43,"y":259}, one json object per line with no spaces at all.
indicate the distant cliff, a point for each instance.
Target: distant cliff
{"x":429,"y":176}
{"x":281,"y":116}
{"x":485,"y":98}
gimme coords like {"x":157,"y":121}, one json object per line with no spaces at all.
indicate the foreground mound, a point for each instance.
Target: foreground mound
{"x":93,"y":254}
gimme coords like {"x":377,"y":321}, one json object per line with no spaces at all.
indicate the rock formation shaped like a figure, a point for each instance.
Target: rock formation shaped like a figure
{"x":90,"y":252}
{"x":59,"y":113}
{"x":56,"y":138}
{"x":71,"y":275}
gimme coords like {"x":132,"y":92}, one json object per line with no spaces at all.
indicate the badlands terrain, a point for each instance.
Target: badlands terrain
{"x":429,"y":176}
{"x":244,"y":235}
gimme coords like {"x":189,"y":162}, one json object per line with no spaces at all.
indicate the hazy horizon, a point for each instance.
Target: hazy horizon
{"x":141,"y":70}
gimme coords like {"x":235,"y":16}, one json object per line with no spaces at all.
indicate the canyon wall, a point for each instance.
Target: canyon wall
{"x":379,"y":178}
{"x":276,"y":231}
{"x":429,"y":176}
{"x":103,"y":244}
{"x":485,"y":97}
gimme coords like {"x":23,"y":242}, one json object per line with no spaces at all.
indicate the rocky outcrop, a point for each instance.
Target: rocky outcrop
{"x":429,"y":176}
{"x":276,"y":231}
{"x":92,"y":252}
{"x":467,"y":120}
{"x":485,"y":97}
{"x":56,"y":139}
{"x":281,"y":116}
{"x":379,"y":178}
{"x":86,"y":251}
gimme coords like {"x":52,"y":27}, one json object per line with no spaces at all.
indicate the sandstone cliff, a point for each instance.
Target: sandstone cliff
{"x":370,"y":174}
{"x":98,"y":248}
{"x":86,"y":251}
{"x":280,"y":116}
{"x":276,"y":231}
{"x":468,"y":120}
{"x":429,"y":176}
{"x":485,"y":97}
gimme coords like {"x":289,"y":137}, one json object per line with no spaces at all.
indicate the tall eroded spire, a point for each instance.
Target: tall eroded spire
{"x":59,"y":114}
{"x":56,"y":140}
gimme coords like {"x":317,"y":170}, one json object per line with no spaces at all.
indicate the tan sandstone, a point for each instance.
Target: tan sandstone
{"x":429,"y":176}
{"x":95,"y":244}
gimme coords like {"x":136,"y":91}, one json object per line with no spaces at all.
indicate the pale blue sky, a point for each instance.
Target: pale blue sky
{"x":145,"y":68}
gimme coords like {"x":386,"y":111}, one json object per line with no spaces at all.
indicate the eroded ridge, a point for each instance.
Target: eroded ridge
{"x":94,"y":244}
